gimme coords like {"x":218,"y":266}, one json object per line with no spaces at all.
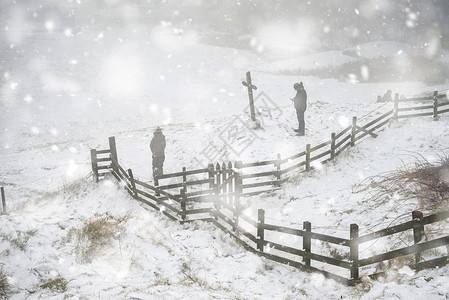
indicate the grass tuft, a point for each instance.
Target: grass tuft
{"x":57,"y":285}
{"x":5,"y":287}
{"x":95,"y":235}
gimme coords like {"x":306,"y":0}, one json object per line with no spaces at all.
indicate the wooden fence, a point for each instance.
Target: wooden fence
{"x":101,"y":160}
{"x":289,"y":245}
{"x":438,"y":101}
{"x":299,"y":253}
{"x":266,"y":175}
{"x":263,"y":176}
{"x":215,"y":197}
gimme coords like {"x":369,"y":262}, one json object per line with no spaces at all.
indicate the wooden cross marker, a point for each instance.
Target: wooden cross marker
{"x":250,"y":94}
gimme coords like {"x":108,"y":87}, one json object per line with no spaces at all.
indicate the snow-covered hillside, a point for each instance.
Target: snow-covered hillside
{"x":151,"y":257}
{"x":336,"y":58}
{"x":69,"y":83}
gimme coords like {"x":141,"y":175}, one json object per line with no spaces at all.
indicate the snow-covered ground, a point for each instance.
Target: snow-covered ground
{"x":66,"y":88}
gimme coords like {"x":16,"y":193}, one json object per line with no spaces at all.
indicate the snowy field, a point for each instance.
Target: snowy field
{"x":67,"y":86}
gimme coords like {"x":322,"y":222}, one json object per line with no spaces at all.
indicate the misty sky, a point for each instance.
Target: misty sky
{"x":243,"y":23}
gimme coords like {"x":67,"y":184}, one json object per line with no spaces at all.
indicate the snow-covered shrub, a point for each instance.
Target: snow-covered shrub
{"x":95,"y":235}
{"x":4,"y":285}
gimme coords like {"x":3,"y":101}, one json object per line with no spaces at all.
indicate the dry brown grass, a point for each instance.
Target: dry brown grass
{"x":95,"y":235}
{"x":4,"y":285}
{"x":57,"y":285}
{"x":20,"y":239}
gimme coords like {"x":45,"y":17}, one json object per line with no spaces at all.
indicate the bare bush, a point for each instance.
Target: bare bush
{"x":423,"y":180}
{"x":4,"y":285}
{"x":96,"y":234}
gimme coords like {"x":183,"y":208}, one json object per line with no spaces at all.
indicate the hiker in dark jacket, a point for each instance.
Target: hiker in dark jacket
{"x":300,"y":101}
{"x":157,"y":146}
{"x":387,"y":96}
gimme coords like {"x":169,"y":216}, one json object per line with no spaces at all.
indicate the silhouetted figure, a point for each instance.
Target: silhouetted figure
{"x":387,"y":97}
{"x":300,"y":101}
{"x":380,"y":99}
{"x":157,"y":146}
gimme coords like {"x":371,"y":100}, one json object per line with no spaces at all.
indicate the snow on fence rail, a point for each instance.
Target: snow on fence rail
{"x":216,"y":199}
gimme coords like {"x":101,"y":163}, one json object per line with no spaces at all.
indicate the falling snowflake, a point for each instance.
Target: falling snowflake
{"x":28,"y":98}
{"x":71,"y":168}
{"x":50,"y":25}
{"x":364,"y":71}
{"x":68,"y":32}
{"x":35,"y":130}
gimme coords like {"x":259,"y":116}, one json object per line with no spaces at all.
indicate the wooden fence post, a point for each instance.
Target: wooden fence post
{"x":2,"y":191}
{"x":354,"y":130}
{"x":183,"y":203}
{"x":184,"y":176}
{"x":435,"y":105}
{"x":210,"y":171}
{"x":332,"y":145}
{"x":133,"y":184}
{"x":231,"y":185}
{"x":212,"y":186}
{"x":418,"y":231}
{"x":113,"y":149}
{"x":354,"y":251}
{"x":156,"y":183}
{"x":218,"y":182}
{"x":260,"y":229}
{"x":93,"y":159}
{"x":308,"y":157}
{"x":238,"y":192}
{"x":224,"y":176}
{"x":396,"y":106}
{"x":278,"y":170}
{"x":307,"y":242}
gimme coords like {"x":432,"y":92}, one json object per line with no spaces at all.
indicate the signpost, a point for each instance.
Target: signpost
{"x":250,"y":87}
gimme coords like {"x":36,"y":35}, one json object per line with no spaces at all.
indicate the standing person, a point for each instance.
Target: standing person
{"x":300,"y":102}
{"x":387,"y":96}
{"x":157,"y":146}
